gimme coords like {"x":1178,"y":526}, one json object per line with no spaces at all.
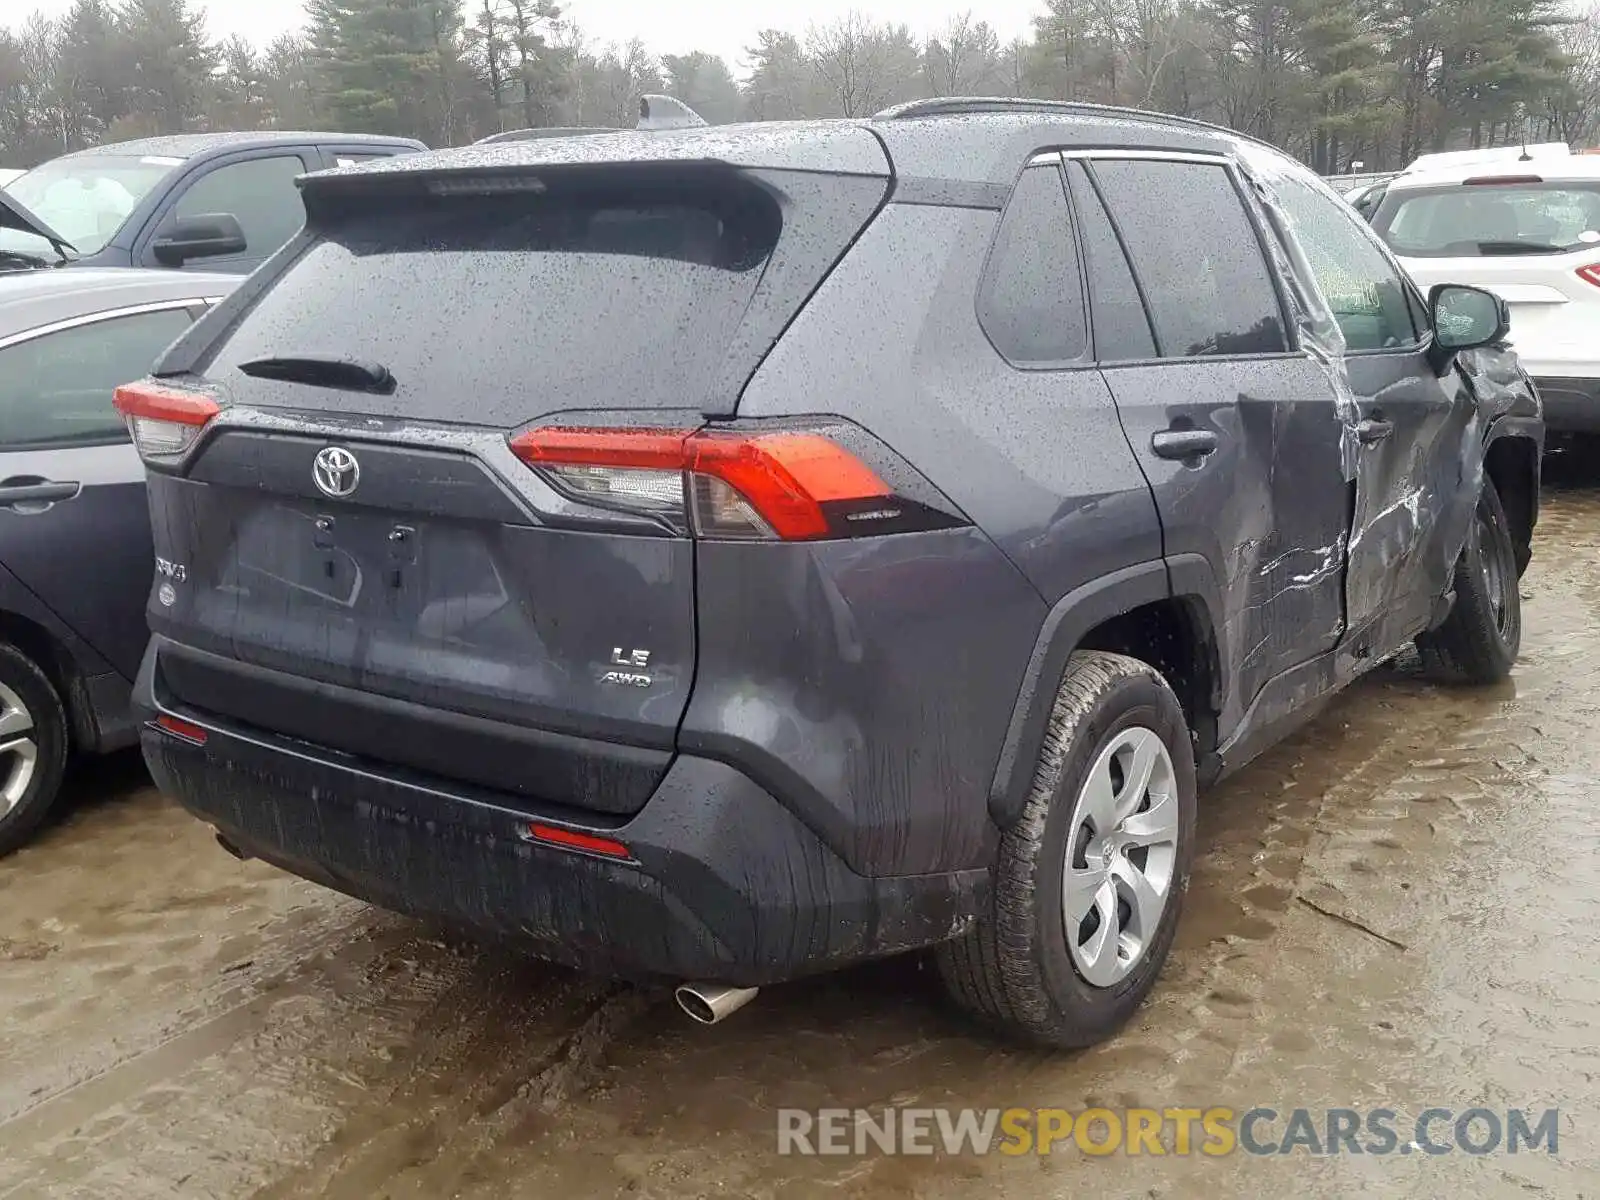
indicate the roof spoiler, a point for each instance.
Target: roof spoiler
{"x":667,"y":112}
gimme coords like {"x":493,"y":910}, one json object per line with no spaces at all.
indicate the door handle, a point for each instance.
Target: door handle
{"x":1183,"y":443}
{"x":43,"y":491}
{"x":1372,"y":430}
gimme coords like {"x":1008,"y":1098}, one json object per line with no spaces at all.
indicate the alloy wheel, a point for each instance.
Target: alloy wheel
{"x":19,"y":752}
{"x":1121,"y":856}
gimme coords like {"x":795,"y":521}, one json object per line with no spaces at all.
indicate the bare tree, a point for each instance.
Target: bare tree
{"x":1574,"y":114}
{"x":863,"y":66}
{"x":964,"y":59}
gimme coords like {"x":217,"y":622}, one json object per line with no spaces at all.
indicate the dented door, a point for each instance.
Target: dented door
{"x":1419,"y":464}
{"x":1413,"y":439}
{"x":1238,"y":434}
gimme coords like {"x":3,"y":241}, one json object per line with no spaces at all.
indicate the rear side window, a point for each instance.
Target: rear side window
{"x":1197,"y":256}
{"x":1492,"y":220}
{"x":55,"y":389}
{"x":1121,"y":326}
{"x":486,"y":308}
{"x":1031,"y":305}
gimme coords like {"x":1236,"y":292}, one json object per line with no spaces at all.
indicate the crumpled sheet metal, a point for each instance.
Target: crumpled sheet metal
{"x":1449,"y":499}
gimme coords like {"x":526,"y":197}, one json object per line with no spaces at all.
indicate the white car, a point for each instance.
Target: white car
{"x":1530,"y":232}
{"x":1448,"y":160}
{"x":7,"y":174}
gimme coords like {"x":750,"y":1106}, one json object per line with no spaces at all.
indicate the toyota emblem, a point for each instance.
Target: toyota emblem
{"x":335,"y":471}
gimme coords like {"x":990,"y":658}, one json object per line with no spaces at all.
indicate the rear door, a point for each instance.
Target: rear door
{"x":1418,"y":446}
{"x":367,"y":565}
{"x":1237,"y":431}
{"x":74,"y":527}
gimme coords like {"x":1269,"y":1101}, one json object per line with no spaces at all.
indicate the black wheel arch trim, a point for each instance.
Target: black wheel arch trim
{"x":1530,"y":429}
{"x":1509,"y":425}
{"x":1069,"y":620}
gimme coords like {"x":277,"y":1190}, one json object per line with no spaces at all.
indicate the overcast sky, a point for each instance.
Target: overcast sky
{"x":723,"y":27}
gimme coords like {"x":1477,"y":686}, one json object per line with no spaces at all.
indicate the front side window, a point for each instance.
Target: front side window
{"x":260,"y":192}
{"x":1197,"y":255}
{"x":55,"y":389}
{"x":1031,"y":305}
{"x":1366,"y":293}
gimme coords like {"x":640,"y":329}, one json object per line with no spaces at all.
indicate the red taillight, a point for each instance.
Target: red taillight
{"x":164,"y":422}
{"x":572,"y":839}
{"x":738,"y":485}
{"x":178,"y":727}
{"x":1590,"y":274}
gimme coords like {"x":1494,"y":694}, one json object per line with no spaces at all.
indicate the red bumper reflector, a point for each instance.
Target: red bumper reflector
{"x":571,"y":839}
{"x":178,"y":727}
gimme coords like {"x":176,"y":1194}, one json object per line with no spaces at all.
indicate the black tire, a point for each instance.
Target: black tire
{"x":1015,"y":968}
{"x":22,"y":681}
{"x":1481,"y":638}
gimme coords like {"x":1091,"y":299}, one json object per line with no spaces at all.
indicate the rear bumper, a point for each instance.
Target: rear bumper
{"x":726,"y":884}
{"x":1571,"y":404}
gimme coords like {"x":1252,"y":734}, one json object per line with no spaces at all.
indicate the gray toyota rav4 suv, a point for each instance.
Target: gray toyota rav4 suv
{"x":728,"y":554}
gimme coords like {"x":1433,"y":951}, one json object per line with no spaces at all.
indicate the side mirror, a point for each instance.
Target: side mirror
{"x":209,"y":235}
{"x":1465,"y":318}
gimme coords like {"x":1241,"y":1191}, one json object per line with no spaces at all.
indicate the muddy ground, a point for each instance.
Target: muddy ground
{"x":1398,"y":908}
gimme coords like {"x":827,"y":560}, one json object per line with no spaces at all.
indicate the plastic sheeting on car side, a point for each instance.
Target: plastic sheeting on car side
{"x":1418,"y":523}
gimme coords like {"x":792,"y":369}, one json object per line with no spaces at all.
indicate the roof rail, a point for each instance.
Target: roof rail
{"x":537,"y":134}
{"x":956,"y":106}
{"x":655,"y":113}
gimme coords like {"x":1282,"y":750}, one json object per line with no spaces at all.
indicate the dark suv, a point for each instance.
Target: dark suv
{"x":729,"y":554}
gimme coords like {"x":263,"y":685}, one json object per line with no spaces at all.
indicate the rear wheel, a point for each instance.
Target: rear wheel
{"x":1091,"y":878}
{"x":1480,"y":639}
{"x":33,"y":747}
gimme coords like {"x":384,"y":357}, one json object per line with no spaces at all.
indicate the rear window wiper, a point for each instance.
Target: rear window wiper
{"x":323,"y":370}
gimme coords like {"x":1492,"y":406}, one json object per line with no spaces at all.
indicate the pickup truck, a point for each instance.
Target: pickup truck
{"x":221,"y":202}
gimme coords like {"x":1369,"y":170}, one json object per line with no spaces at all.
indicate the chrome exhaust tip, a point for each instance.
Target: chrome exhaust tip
{"x":708,"y":1003}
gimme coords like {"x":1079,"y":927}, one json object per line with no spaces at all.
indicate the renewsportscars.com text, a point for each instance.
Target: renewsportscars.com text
{"x":1213,"y":1132}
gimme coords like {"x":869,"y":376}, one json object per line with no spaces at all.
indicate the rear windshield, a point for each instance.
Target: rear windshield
{"x":1483,"y":220}
{"x":492,"y":308}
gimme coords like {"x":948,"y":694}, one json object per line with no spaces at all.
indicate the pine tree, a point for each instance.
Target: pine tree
{"x":704,"y":83}
{"x":390,"y":66}
{"x":1341,"y":55}
{"x":93,"y":69}
{"x":169,"y":59}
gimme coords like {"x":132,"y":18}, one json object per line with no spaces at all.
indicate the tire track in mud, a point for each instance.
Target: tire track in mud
{"x":43,"y":1076}
{"x":481,"y":1070}
{"x":377,"y":1058}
